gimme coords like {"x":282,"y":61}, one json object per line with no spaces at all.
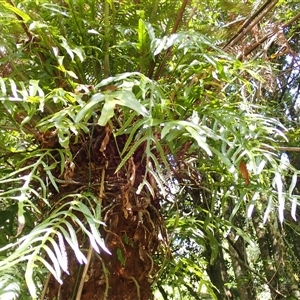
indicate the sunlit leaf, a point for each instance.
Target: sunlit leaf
{"x":87,"y":110}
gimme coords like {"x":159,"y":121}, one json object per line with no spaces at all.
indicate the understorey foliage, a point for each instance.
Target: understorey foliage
{"x":145,"y":156}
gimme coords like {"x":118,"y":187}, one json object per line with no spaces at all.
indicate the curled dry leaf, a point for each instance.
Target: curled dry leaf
{"x":106,"y":139}
{"x":244,"y":171}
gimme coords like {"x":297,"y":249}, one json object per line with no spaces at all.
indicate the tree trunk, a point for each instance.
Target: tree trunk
{"x":293,"y":242}
{"x":125,"y":274}
{"x":131,"y":235}
{"x":239,"y":260}
{"x":268,"y":262}
{"x":238,"y":255}
{"x":289,"y":285}
{"x":217,"y":273}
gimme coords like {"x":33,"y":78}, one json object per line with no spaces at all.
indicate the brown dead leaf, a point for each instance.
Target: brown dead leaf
{"x":106,"y":139}
{"x":244,"y":171}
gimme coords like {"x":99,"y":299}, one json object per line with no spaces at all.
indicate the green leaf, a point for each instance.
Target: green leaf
{"x":3,"y":87}
{"x":52,"y":179}
{"x":120,"y":256}
{"x":281,"y":199}
{"x":72,"y":74}
{"x":201,"y":140}
{"x":17,"y":11}
{"x":107,"y":111}
{"x":150,"y":30}
{"x":98,"y":238}
{"x":294,"y":198}
{"x":133,"y":133}
{"x":142,"y":35}
{"x":73,"y":244}
{"x":130,"y":153}
{"x":214,"y":247}
{"x":29,"y":279}
{"x":222,"y":157}
{"x":56,"y":271}
{"x":88,"y":109}
{"x":128,"y":99}
{"x":158,"y":45}
{"x":123,"y":98}
{"x":14,"y":89}
{"x":81,"y":258}
{"x":60,"y":252}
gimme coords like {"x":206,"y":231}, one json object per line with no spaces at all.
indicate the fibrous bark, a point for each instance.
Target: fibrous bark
{"x":133,"y":225}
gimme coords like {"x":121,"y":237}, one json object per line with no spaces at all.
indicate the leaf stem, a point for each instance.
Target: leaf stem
{"x":106,"y":37}
{"x":86,"y":267}
{"x":169,"y":51}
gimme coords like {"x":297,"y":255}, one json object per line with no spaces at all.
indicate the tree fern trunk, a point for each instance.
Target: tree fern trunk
{"x":131,"y":232}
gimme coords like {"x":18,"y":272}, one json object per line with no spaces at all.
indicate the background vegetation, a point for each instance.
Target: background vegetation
{"x":149,"y":149}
